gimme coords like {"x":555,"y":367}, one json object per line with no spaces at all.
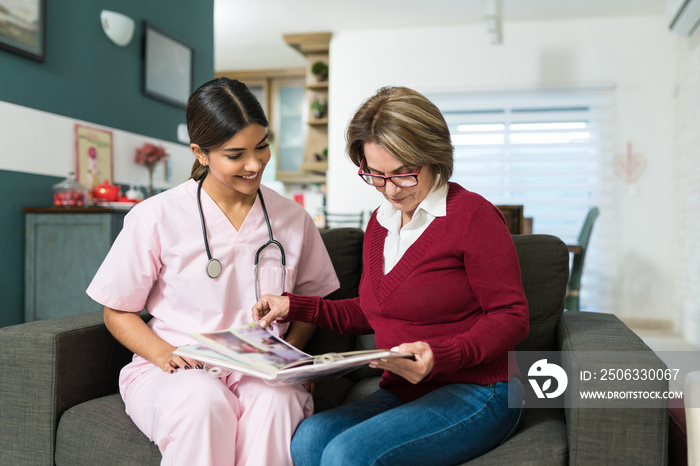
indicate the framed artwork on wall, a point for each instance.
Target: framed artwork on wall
{"x":23,"y":26}
{"x":168,"y":67}
{"x":93,"y":156}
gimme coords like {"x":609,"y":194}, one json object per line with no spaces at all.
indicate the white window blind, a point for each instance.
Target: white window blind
{"x":550,"y":151}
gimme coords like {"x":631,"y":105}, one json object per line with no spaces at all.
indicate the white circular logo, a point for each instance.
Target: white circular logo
{"x":540,"y":376}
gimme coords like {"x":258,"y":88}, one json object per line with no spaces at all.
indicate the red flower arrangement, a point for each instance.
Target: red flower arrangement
{"x":149,"y":155}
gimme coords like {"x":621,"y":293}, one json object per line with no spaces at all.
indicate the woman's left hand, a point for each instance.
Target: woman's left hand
{"x":412,"y":370}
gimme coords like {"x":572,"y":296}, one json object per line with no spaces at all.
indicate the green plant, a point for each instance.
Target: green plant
{"x":319,"y":105}
{"x":320,"y":69}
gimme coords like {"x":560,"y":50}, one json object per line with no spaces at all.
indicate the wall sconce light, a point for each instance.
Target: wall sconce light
{"x":118,"y":27}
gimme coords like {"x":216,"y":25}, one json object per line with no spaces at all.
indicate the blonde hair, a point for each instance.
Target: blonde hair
{"x":407,"y":125}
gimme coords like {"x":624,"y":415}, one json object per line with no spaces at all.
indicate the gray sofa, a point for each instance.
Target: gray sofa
{"x":58,"y":380}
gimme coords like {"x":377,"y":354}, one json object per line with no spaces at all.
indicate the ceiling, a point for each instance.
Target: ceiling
{"x":248,"y":33}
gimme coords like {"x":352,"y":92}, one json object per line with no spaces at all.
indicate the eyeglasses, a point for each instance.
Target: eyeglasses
{"x":407,"y":180}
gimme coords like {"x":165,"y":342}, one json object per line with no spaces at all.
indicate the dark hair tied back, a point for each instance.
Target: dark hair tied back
{"x":217,"y":111}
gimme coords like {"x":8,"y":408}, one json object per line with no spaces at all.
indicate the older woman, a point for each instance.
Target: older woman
{"x":441,"y":280}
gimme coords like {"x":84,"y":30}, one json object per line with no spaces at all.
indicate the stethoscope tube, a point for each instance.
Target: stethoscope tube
{"x":214,"y":266}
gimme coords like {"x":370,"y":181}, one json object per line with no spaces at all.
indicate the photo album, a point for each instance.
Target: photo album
{"x":256,"y":351}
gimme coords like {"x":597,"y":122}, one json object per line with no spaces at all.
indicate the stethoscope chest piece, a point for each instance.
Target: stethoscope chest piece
{"x":213,"y":268}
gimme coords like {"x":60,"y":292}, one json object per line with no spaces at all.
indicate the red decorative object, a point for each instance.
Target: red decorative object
{"x":69,"y":193}
{"x":106,"y":192}
{"x":630,"y":166}
{"x":149,"y":155}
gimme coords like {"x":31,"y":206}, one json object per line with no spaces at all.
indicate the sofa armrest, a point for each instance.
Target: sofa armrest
{"x":616,"y":435}
{"x":47,"y":367}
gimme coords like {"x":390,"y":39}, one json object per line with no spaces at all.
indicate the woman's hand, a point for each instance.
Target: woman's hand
{"x":270,"y":309}
{"x":171,"y":362}
{"x":131,"y":331}
{"x":412,"y":370}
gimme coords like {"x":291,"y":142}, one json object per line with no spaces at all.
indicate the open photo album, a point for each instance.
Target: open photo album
{"x":256,"y":351}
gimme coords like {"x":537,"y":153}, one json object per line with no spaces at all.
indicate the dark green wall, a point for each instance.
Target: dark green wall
{"x":17,"y":190}
{"x":87,"y":77}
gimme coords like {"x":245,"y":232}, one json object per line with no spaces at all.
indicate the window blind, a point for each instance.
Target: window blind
{"x":550,"y":151}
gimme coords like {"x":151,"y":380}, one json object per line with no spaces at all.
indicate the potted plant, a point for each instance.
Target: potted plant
{"x":322,"y":157}
{"x":319,"y":106}
{"x":320,"y":70}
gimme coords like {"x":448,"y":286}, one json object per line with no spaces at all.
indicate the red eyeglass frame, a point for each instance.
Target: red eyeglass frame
{"x":390,"y":177}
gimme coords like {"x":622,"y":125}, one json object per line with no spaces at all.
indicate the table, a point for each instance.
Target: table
{"x":574,"y":248}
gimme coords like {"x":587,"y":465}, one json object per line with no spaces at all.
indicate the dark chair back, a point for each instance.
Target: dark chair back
{"x":572,"y":303}
{"x":344,"y":220}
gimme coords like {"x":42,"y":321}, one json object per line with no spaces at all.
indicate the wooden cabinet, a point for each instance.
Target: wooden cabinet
{"x":63,"y":250}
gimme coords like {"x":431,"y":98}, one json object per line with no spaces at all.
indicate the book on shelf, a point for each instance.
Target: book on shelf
{"x":256,"y":351}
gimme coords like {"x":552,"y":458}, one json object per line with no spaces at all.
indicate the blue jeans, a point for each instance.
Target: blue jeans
{"x":449,"y":425}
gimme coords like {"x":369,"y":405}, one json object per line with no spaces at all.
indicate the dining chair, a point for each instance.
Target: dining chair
{"x":571,"y":300}
{"x":344,"y":220}
{"x":514,"y":218}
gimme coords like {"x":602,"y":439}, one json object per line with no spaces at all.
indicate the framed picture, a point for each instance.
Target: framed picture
{"x":93,"y":155}
{"x":22,"y":27}
{"x":168,"y":67}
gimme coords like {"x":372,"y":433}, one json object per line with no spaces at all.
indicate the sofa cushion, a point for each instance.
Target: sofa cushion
{"x":541,"y":435}
{"x":363,"y":387}
{"x":100,"y":432}
{"x":544,"y":267}
{"x":344,"y":247}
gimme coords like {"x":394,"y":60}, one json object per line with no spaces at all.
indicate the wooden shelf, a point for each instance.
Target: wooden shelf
{"x":318,"y":86}
{"x":321,"y":167}
{"x":314,"y":47}
{"x":316,"y":42}
{"x":301,"y":178}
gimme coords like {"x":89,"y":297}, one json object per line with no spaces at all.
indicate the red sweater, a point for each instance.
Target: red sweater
{"x":458,"y":288}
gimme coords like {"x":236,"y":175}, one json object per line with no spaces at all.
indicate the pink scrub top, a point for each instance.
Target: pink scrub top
{"x":158,"y":262}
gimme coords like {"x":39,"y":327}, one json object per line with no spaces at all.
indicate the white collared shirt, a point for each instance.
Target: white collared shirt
{"x":398,"y":239}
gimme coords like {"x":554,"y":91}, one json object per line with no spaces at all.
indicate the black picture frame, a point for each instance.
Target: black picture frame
{"x":23,"y":29}
{"x":168,"y":66}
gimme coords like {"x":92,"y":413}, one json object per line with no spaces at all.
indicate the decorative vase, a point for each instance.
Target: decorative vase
{"x":151,"y":190}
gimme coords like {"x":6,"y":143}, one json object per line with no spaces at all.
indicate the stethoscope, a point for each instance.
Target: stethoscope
{"x":214,"y":266}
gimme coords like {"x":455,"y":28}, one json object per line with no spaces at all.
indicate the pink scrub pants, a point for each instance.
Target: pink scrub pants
{"x":198,"y":419}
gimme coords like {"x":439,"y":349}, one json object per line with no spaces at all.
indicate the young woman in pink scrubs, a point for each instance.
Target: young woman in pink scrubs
{"x":160,"y":263}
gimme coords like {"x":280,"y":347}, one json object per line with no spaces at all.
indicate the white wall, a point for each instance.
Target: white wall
{"x":688,"y":143}
{"x":43,"y":143}
{"x":637,"y":55}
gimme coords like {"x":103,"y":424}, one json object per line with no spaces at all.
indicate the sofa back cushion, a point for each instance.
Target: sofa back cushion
{"x":544,"y":267}
{"x":344,"y":247}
